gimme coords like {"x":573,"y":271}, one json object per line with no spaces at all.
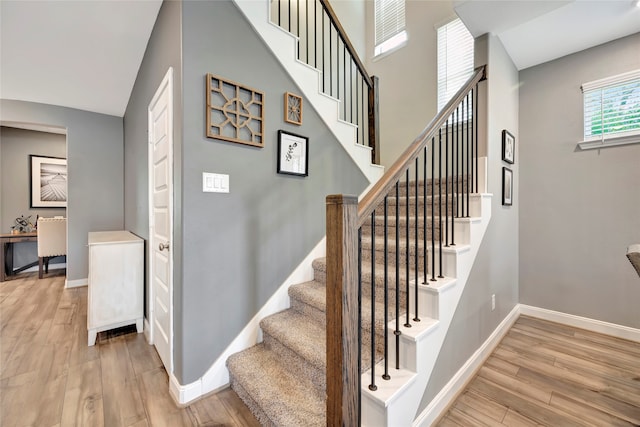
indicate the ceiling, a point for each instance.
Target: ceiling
{"x":86,"y":54}
{"x":537,"y":31}
{"x":81,"y":54}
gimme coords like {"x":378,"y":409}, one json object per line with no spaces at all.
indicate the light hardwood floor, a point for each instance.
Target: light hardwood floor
{"x":50,"y":377}
{"x":544,"y":373}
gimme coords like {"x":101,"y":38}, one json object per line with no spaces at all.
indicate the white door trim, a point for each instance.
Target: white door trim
{"x":166,"y":84}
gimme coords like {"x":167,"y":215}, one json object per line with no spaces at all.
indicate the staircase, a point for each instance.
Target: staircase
{"x":403,"y":313}
{"x":282,"y":379}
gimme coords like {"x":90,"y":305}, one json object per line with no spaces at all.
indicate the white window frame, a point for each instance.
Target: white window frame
{"x":592,"y":107}
{"x":390,"y":33}
{"x":449,"y":83}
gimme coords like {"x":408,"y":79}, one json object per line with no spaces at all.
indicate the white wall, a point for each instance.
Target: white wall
{"x":408,"y":76}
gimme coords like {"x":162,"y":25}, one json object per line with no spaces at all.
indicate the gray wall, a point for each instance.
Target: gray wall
{"x":15,"y":147}
{"x":94,"y":165}
{"x":580,"y":209}
{"x":495,"y":270}
{"x":240,"y":247}
{"x":163,"y":51}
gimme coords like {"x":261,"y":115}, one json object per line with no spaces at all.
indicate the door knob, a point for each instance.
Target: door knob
{"x":163,"y":246}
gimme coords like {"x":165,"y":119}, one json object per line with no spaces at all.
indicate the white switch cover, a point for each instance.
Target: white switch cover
{"x":215,"y":183}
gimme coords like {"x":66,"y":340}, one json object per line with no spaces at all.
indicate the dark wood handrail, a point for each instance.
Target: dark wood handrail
{"x":345,"y":39}
{"x":375,"y":196}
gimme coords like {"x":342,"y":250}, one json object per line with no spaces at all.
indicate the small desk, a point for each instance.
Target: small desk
{"x":6,"y":252}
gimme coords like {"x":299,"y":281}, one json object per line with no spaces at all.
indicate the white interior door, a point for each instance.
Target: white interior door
{"x":161,"y":220}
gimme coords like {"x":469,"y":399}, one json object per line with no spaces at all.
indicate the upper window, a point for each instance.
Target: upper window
{"x":612,"y":108}
{"x":455,"y":59}
{"x":389,"y":25}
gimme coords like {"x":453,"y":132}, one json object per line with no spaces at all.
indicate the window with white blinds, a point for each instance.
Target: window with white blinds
{"x":455,"y":59}
{"x":612,"y":107}
{"x":389,"y":25}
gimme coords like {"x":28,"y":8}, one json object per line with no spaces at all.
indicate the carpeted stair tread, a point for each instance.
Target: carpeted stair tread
{"x":285,"y":399}
{"x":320,"y":265}
{"x":300,"y":334}
{"x":314,"y":294}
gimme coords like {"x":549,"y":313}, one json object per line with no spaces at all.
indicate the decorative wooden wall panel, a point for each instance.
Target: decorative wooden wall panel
{"x":234,"y":112}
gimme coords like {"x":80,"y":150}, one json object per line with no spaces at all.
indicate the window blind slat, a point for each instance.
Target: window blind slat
{"x":389,"y":19}
{"x":612,"y":106}
{"x":455,"y":59}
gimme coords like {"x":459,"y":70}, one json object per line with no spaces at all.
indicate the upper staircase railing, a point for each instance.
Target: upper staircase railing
{"x":323,"y":44}
{"x":442,"y":160}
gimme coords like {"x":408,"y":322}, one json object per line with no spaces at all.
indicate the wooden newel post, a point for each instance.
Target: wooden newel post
{"x":343,"y":393}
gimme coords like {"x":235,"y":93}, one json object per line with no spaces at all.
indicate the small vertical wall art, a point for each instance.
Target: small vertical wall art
{"x":292,"y":108}
{"x":234,"y":112}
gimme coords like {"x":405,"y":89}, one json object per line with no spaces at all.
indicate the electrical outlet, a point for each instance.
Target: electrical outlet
{"x":493,"y":302}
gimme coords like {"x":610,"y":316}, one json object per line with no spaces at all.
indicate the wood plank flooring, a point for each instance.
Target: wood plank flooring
{"x":544,"y":373}
{"x":50,"y":377}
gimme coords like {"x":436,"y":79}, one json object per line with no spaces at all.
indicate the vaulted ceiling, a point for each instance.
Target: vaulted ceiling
{"x":86,"y":54}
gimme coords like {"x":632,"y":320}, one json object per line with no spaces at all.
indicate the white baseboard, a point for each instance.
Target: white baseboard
{"x":618,"y":331}
{"x":183,"y":394}
{"x":75,"y":283}
{"x":217,"y":377}
{"x":449,"y":392}
{"x":147,"y":331}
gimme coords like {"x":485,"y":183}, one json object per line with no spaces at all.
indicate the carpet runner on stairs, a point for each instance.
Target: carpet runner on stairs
{"x":282,"y":380}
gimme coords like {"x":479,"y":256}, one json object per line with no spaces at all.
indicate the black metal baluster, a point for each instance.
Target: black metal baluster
{"x":289,"y":12}
{"x":351,"y":89}
{"x":358,"y":130}
{"x":315,"y":34}
{"x":373,"y":386}
{"x":433,"y":209}
{"x":454,"y":198}
{"x":416,"y":318}
{"x":439,"y":203}
{"x":468,"y":177}
{"x":425,"y":256}
{"x":462,"y":153}
{"x":476,"y":131}
{"x":446,"y":185}
{"x":397,"y":332}
{"x":458,"y":161}
{"x":279,"y":12}
{"x":386,"y":375}
{"x":406,"y":250}
{"x":472,"y":124}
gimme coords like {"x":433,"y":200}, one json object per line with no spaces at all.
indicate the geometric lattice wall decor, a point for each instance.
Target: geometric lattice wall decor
{"x":292,"y":108}
{"x":234,"y":112}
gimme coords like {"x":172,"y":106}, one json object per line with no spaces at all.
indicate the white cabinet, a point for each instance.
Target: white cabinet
{"x":116,"y":269}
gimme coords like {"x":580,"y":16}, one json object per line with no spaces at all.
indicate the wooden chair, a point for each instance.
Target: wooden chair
{"x":52,"y":241}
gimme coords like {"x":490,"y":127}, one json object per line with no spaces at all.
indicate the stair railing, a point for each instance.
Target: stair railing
{"x":323,"y":44}
{"x":449,"y":144}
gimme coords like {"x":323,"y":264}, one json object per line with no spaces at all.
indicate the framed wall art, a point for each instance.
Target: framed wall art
{"x":507,"y":187}
{"x":48,"y":180}
{"x":292,"y":108}
{"x":293,"y":154}
{"x":508,"y":147}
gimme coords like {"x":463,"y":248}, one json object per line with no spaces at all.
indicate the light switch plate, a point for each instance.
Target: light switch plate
{"x":215,"y":183}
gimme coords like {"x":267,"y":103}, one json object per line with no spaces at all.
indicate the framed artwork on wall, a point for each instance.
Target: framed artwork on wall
{"x":48,"y":180}
{"x":293,"y":154}
{"x":508,"y":147}
{"x":292,"y":108}
{"x":507,"y":187}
